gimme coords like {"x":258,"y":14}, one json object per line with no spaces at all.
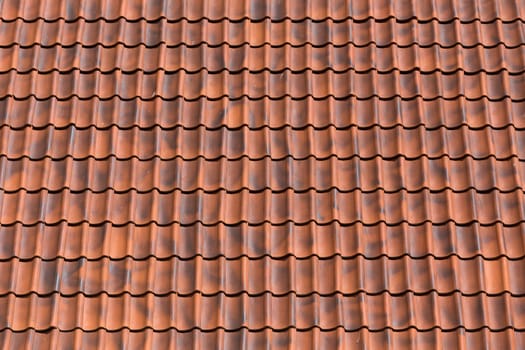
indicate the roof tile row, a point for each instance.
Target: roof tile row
{"x":223,"y":57}
{"x":320,"y":175}
{"x":235,"y":10}
{"x":265,"y":112}
{"x":257,"y":241}
{"x":260,"y":207}
{"x":192,"y":86}
{"x":308,"y":32}
{"x":282,"y":143}
{"x":315,"y":338}
{"x":209,"y":313}
{"x":279,"y":277}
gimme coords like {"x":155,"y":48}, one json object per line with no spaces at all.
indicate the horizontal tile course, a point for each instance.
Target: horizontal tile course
{"x":262,"y":113}
{"x":256,"y":241}
{"x":280,"y":277}
{"x":220,"y":339}
{"x":375,"y":312}
{"x":194,"y":86}
{"x":234,"y":175}
{"x":215,"y":59}
{"x":235,"y":10}
{"x":283,"y":33}
{"x":260,"y":207}
{"x":255,"y":144}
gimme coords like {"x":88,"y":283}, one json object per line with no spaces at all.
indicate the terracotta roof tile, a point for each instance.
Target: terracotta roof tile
{"x":185,"y":313}
{"x":215,"y":59}
{"x":389,"y":32}
{"x":283,"y":276}
{"x":265,"y":206}
{"x":193,"y":86}
{"x":260,"y":113}
{"x":282,"y":143}
{"x":257,"y":10}
{"x":328,"y":174}
{"x":234,"y":175}
{"x":256,"y":241}
{"x":312,"y":339}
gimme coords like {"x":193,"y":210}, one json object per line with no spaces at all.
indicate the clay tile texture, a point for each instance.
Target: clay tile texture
{"x":262,"y":174}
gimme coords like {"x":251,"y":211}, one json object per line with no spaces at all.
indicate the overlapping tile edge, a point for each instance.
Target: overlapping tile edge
{"x":512,"y":339}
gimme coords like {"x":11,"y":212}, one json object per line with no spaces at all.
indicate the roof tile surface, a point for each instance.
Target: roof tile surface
{"x":136,"y":10}
{"x":321,"y":174}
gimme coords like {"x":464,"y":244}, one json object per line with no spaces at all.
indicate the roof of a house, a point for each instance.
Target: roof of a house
{"x":321,"y":174}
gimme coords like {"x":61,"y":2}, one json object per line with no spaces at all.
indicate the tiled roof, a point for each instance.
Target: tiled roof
{"x":320,"y":174}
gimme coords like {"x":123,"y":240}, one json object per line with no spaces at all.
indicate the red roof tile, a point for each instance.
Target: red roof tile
{"x":215,"y":59}
{"x":256,"y":241}
{"x":259,"y":174}
{"x":233,"y":10}
{"x":265,"y":84}
{"x":375,"y":312}
{"x":328,"y":174}
{"x":290,"y":339}
{"x":254,"y":276}
{"x":260,"y":113}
